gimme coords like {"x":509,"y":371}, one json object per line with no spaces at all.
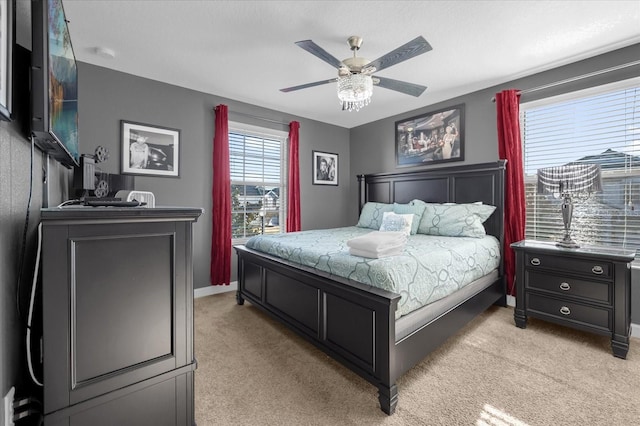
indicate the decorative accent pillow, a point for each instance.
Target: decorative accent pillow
{"x":416,"y":210}
{"x":371,"y":215}
{"x":396,"y":222}
{"x":454,"y":220}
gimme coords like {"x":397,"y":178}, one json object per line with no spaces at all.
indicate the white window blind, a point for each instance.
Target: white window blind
{"x":258,"y":182}
{"x":600,"y":126}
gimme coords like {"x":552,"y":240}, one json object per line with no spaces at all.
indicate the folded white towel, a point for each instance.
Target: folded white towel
{"x":394,"y":251}
{"x":376,"y":241}
{"x":379,"y":252}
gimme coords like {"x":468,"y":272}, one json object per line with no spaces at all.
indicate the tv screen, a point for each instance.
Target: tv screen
{"x":54,"y":83}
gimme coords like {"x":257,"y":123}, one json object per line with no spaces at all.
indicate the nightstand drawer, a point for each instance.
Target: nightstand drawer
{"x":592,"y":290}
{"x":569,"y":311}
{"x":588,"y":267}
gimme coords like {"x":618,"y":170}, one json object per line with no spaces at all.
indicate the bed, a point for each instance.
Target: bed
{"x":356,"y":323}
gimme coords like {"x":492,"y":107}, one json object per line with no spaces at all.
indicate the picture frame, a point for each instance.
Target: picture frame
{"x":325,"y":168}
{"x":149,"y":150}
{"x":431,"y":138}
{"x":7,"y":21}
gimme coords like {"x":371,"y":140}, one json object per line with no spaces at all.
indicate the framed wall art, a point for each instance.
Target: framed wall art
{"x":6,"y":56}
{"x":325,"y":168}
{"x":150,"y":150}
{"x":434,"y":137}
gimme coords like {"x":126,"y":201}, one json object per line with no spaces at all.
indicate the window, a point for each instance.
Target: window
{"x":258,"y":180}
{"x":601,"y":126}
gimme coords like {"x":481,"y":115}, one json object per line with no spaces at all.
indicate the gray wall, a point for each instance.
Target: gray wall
{"x":14,"y":193}
{"x":107,"y":96}
{"x":372,"y":145}
{"x":15,"y":154}
{"x":18,"y":182}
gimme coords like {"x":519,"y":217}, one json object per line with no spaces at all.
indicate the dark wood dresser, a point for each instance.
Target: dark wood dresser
{"x":117,"y":316}
{"x":588,"y":288}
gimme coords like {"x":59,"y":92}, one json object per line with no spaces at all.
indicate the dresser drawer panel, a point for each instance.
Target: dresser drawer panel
{"x":570,"y":286}
{"x":570,"y":311}
{"x":593,"y":268}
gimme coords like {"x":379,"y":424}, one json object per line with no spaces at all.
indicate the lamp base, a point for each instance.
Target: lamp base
{"x":567,"y":212}
{"x":567,"y":242}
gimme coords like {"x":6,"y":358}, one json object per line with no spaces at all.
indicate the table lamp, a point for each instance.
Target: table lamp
{"x":573,"y":179}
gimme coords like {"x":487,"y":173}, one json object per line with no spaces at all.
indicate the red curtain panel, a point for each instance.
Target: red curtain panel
{"x":510,"y":149}
{"x":221,"y":201}
{"x":293,"y":198}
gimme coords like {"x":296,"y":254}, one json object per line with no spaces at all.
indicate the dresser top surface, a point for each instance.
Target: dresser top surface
{"x":550,"y":247}
{"x":106,"y":213}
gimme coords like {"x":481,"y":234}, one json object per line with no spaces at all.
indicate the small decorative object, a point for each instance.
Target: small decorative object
{"x":150,"y":150}
{"x":574,"y":179}
{"x":325,"y":168}
{"x":6,"y":56}
{"x":435,"y":137}
{"x":101,"y":154}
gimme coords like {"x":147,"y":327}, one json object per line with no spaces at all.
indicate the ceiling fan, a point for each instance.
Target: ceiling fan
{"x":355,"y":79}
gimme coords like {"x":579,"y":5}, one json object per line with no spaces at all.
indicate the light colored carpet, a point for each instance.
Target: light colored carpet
{"x":253,"y":371}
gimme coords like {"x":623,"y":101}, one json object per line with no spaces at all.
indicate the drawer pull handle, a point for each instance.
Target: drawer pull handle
{"x":535,"y":261}
{"x":565,"y":311}
{"x":598,"y":270}
{"x":565,"y":286}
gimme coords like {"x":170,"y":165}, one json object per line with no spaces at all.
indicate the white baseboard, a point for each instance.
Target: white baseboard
{"x":214,"y":289}
{"x":635,"y":328}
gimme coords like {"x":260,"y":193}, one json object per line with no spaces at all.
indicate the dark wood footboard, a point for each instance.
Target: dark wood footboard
{"x":352,"y":322}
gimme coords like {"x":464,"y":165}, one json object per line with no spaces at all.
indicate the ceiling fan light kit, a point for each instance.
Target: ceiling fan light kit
{"x":354,"y":87}
{"x":355,"y":82}
{"x":354,"y":91}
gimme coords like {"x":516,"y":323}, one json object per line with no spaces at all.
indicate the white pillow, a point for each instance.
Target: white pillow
{"x":396,"y":222}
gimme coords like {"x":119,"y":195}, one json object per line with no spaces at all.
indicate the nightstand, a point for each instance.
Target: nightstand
{"x":588,"y":288}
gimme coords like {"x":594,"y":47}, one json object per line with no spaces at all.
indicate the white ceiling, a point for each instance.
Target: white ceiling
{"x":244,"y":50}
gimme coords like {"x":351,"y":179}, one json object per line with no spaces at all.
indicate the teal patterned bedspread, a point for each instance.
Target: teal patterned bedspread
{"x":430,"y":267}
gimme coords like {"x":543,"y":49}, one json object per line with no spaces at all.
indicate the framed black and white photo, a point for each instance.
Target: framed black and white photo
{"x":150,"y":150}
{"x":325,"y":168}
{"x":434,"y":137}
{"x":6,"y":56}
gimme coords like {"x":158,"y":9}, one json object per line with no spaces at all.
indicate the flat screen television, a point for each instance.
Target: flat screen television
{"x":54,"y":83}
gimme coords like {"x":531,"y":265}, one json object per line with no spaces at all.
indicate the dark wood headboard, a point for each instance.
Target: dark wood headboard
{"x":462,"y":184}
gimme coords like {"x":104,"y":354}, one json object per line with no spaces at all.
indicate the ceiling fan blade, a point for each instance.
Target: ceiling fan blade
{"x":304,"y":86}
{"x":318,"y":51}
{"x":415,"y":47}
{"x":400,"y":86}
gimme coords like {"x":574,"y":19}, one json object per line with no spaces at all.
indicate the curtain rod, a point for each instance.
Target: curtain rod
{"x":259,"y":118}
{"x":577,"y":78}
